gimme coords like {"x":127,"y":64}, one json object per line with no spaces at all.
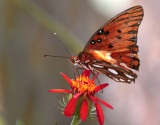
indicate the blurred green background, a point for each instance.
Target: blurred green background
{"x":26,"y":34}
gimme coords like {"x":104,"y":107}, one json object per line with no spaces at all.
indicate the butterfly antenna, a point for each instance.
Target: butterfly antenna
{"x":56,"y":56}
{"x":63,"y":45}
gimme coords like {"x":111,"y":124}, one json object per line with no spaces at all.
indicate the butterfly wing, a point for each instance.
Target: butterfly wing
{"x":118,"y":38}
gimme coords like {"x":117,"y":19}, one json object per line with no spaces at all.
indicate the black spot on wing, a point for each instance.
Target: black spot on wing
{"x":119,"y":37}
{"x":106,"y":33}
{"x":99,"y":40}
{"x":119,"y":31}
{"x":100,"y":32}
{"x":93,"y":42}
{"x":110,"y":46}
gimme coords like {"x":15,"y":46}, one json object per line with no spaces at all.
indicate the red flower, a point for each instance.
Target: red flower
{"x":84,"y":89}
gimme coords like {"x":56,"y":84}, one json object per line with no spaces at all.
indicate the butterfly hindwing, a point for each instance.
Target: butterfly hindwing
{"x":118,"y":37}
{"x":116,"y":73}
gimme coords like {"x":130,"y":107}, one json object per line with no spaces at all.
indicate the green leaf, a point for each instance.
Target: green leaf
{"x":70,"y":96}
{"x":63,"y":105}
{"x":64,"y":100}
{"x":93,"y":109}
{"x":91,"y":117}
{"x":62,"y":109}
{"x":76,"y":120}
{"x":92,"y":113}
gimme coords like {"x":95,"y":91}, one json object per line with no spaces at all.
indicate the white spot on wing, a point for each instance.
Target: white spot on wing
{"x":122,"y":80}
{"x":131,"y":77}
{"x":113,"y":71}
{"x":123,"y":64}
{"x":116,"y":79}
{"x":98,"y":66}
{"x":129,"y":80}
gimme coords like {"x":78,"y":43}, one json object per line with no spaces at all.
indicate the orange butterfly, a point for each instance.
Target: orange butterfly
{"x":112,"y":50}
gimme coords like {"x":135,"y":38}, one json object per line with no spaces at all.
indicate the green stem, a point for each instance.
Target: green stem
{"x":76,"y":120}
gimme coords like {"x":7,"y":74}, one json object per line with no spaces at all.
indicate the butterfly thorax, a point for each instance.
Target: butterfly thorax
{"x":85,"y":60}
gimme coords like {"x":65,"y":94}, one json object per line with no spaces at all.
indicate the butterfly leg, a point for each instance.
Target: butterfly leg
{"x":96,"y":78}
{"x":93,"y":74}
{"x":77,"y":68}
{"x":74,"y":72}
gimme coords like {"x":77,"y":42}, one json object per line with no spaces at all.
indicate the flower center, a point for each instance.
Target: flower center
{"x":84,"y":85}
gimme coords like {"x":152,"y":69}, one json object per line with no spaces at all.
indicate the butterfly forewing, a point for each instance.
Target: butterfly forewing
{"x":119,"y":38}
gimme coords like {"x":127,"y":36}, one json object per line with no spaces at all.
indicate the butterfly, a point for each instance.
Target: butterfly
{"x":112,"y":49}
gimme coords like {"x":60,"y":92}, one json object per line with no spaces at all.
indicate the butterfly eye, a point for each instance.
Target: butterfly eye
{"x":93,"y":42}
{"x":119,"y":31}
{"x":99,"y":40}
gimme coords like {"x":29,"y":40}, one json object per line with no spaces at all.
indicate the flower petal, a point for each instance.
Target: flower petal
{"x":99,"y":110}
{"x":84,"y":110}
{"x":100,"y":115}
{"x":67,"y":79}
{"x":94,"y":99}
{"x":69,"y":109}
{"x":105,"y":103}
{"x":100,"y":87}
{"x":60,"y":90}
{"x":86,"y":73}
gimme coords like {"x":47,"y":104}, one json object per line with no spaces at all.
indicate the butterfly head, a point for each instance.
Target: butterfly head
{"x":74,"y":60}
